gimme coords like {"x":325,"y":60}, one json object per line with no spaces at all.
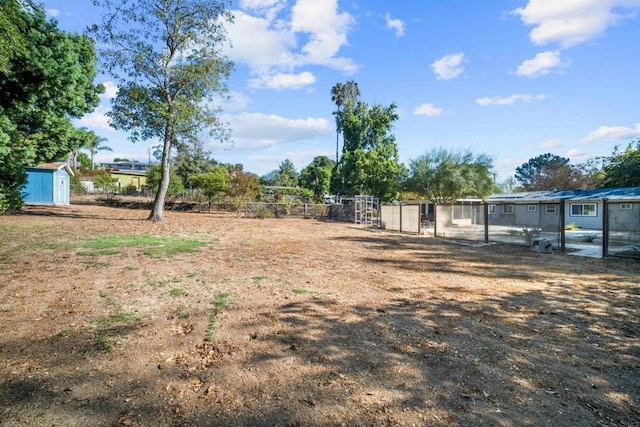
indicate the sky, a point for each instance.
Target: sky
{"x":512,"y":79}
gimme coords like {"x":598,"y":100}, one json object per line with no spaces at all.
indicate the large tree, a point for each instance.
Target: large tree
{"x":343,"y":94}
{"x":316,"y":176}
{"x":622,"y":168}
{"x":166,"y":56}
{"x":444,"y":176}
{"x":45,"y":81}
{"x":549,"y":172}
{"x":370,"y":162}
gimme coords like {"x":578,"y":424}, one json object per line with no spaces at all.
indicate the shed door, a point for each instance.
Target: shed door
{"x":62,"y":191}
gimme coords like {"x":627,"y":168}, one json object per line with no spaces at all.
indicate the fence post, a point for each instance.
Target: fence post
{"x":485,"y":208}
{"x":605,"y":227}
{"x":435,"y":219}
{"x":563,"y":237}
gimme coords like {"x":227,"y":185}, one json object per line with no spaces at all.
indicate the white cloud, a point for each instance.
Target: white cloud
{"x":571,"y":22}
{"x":578,"y":156}
{"x":256,"y":130}
{"x":326,"y":30}
{"x":274,"y":45}
{"x":395,"y":24}
{"x":283,"y":81}
{"x":612,"y":133}
{"x":237,"y":101}
{"x":111,"y":90}
{"x":550,"y":144}
{"x":509,"y":100}
{"x":96,"y":120}
{"x":54,"y":13}
{"x":428,"y":110}
{"x":448,"y":67}
{"x":542,"y":64}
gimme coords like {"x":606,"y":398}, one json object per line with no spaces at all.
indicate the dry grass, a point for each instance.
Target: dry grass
{"x":323,"y":324}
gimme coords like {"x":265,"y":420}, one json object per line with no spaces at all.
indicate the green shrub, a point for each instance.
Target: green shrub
{"x":530,"y":234}
{"x":263,"y":213}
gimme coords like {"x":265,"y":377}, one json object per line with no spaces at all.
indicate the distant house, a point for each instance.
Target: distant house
{"x":584,"y":208}
{"x":129,"y":179}
{"x":48,"y":184}
{"x":127,"y":166}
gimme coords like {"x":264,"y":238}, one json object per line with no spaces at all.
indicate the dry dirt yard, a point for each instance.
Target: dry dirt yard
{"x":305,"y":323}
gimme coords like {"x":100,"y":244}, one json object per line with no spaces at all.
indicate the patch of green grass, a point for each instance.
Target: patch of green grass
{"x":220,"y":301}
{"x":63,"y":333}
{"x":258,"y":279}
{"x":177,"y":292}
{"x":94,"y":264}
{"x":118,"y":318}
{"x":152,"y":246}
{"x":300,"y":291}
{"x":102,"y":344}
{"x":110,"y":300}
{"x":162,"y":283}
{"x":102,"y":252}
{"x":156,"y":283}
{"x":181,"y":314}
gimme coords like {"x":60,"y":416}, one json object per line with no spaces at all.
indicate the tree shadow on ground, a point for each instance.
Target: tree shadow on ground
{"x":529,"y":358}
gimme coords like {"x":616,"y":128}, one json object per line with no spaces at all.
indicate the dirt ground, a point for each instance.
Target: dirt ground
{"x":324,"y":323}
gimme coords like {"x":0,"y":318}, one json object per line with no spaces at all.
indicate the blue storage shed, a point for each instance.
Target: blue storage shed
{"x":48,"y":184}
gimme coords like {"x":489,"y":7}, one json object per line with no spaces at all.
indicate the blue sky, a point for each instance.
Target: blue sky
{"x":512,"y":79}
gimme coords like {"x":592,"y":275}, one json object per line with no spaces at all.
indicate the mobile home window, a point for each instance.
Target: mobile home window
{"x":532,"y":208}
{"x":583,"y":209}
{"x":507,"y":209}
{"x":551,"y":209}
{"x":626,"y":206}
{"x":492,"y":209}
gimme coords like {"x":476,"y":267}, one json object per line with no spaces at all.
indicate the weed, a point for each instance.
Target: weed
{"x":120,"y":317}
{"x":156,"y":283}
{"x":258,"y":279}
{"x":300,"y":291}
{"x":589,"y":238}
{"x":102,"y":344}
{"x":219,"y":302}
{"x":110,"y":300}
{"x":61,"y":334}
{"x":95,"y":264}
{"x":513,"y":232}
{"x":571,"y":226}
{"x":177,"y":292}
{"x":530,"y":234}
{"x":264,"y":267}
{"x":101,"y":252}
{"x":181,"y":314}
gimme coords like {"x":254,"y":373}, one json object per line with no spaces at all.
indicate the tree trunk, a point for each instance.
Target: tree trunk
{"x":158,"y":204}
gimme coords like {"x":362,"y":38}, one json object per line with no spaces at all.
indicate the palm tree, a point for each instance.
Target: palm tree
{"x":337,"y":96}
{"x":343,"y":94}
{"x":94,"y":144}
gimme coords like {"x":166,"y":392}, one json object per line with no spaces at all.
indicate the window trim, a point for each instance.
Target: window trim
{"x":532,"y":208}
{"x":626,"y":206}
{"x":582,"y":214}
{"x":507,"y":209}
{"x":547,"y":210}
